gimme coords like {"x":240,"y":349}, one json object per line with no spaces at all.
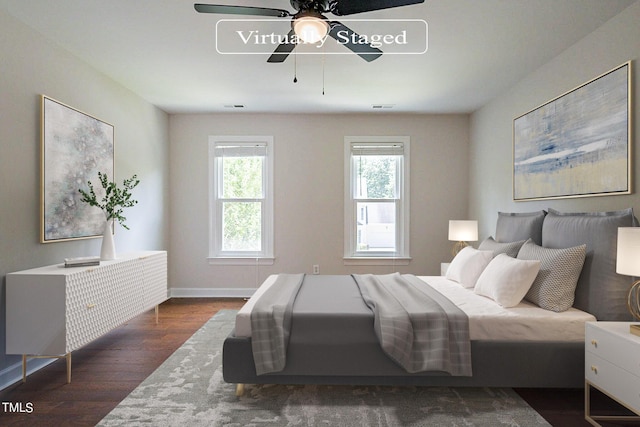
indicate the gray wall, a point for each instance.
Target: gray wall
{"x":309,"y":191}
{"x":615,"y":43}
{"x":31,"y":66}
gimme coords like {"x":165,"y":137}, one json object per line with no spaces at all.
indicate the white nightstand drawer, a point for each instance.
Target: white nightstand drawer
{"x":615,"y":344}
{"x":617,"y":382}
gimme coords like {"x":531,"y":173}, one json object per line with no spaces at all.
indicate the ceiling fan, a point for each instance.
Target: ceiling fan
{"x":309,"y":25}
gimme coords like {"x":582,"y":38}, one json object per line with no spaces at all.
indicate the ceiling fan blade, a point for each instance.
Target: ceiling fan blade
{"x":241,"y":10}
{"x":349,"y":7}
{"x":283,"y":50}
{"x":346,"y":36}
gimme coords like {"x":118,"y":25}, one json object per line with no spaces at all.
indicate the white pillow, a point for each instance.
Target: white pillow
{"x":467,"y":266}
{"x":507,"y":280}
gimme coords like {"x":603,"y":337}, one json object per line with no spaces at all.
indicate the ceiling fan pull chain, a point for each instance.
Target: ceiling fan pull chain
{"x":323,"y":72}
{"x":295,"y":68}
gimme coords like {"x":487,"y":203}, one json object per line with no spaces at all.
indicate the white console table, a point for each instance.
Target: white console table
{"x":53,"y":310}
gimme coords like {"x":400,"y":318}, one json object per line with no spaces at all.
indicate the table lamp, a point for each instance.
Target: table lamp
{"x":461,"y":232}
{"x":628,"y":263}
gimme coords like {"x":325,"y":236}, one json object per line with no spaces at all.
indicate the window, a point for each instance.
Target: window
{"x":241,"y":199}
{"x":376,"y":198}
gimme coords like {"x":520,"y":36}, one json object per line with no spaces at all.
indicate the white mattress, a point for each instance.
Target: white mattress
{"x":243,"y":318}
{"x":487,"y":319}
{"x":524,"y":322}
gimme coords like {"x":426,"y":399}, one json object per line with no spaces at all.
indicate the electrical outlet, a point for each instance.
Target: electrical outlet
{"x":316,"y":269}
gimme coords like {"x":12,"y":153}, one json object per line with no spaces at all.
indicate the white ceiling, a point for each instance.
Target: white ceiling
{"x":165,"y":52}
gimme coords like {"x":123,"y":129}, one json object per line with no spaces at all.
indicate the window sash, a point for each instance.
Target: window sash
{"x":356,"y":177}
{"x":220,"y":176}
{"x":372,"y":234}
{"x":225,"y":242}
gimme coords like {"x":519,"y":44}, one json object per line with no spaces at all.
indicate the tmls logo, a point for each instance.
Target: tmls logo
{"x":12,"y":407}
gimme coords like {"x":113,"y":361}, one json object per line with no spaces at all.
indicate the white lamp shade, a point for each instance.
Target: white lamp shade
{"x":463,"y":231}
{"x":310,"y":29}
{"x":628,"y":257}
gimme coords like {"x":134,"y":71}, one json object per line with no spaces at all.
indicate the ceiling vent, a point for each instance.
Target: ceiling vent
{"x":382,"y":106}
{"x":234,"y":106}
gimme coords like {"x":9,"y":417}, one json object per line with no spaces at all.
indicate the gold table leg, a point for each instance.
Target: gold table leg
{"x":593,"y":419}
{"x":239,"y":389}
{"x":24,"y":368}
{"x":68,"y":356}
{"x":65,"y":356}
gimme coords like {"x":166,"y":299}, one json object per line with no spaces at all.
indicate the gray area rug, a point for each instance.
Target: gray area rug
{"x":188,"y":390}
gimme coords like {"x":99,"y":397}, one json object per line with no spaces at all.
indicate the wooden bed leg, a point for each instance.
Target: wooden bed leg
{"x":239,"y":389}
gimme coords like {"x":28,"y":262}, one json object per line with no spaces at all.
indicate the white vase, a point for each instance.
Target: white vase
{"x":108,"y":250}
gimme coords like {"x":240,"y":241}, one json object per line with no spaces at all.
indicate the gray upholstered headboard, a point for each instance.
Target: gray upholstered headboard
{"x":600,"y":290}
{"x":514,"y":227}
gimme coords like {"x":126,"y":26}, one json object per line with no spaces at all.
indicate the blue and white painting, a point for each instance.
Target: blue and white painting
{"x":576,"y":145}
{"x":75,"y":147}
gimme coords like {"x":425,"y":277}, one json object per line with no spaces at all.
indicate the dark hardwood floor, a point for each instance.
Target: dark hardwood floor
{"x":107,"y":370}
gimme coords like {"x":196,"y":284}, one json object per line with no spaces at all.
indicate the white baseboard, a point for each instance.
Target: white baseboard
{"x":13,"y":373}
{"x":211,"y":292}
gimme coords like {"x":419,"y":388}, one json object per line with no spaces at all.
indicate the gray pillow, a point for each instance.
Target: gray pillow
{"x":511,"y":248}
{"x":513,"y":227}
{"x":555,"y":285}
{"x":600,"y":290}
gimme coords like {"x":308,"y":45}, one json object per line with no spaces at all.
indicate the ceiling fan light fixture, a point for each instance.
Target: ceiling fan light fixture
{"x":310,"y":26}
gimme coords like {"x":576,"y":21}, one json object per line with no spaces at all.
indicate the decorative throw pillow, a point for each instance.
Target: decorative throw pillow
{"x":515,"y":226}
{"x":511,"y":248}
{"x":555,"y":285}
{"x":467,"y":266}
{"x":506,"y":280}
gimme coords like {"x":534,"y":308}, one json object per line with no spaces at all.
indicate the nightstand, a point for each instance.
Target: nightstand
{"x":612,"y":365}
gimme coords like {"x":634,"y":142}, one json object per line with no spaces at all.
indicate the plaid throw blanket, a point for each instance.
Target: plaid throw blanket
{"x":417,"y":326}
{"x":271,"y":323}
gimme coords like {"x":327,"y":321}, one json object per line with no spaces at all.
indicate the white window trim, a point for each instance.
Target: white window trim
{"x":266,"y":256}
{"x":402,"y":256}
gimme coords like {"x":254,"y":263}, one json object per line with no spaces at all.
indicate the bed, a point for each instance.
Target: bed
{"x":332,"y":340}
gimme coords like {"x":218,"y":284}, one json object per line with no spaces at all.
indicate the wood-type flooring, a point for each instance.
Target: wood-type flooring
{"x":105,"y":371}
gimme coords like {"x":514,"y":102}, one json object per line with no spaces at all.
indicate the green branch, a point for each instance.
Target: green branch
{"x":115,"y":199}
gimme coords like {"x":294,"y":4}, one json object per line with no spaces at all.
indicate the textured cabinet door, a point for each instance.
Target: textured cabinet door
{"x":154,"y":288}
{"x":100,"y":299}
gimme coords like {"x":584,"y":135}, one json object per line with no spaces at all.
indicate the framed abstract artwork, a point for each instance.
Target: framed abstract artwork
{"x":578,"y":144}
{"x":74,"y":148}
